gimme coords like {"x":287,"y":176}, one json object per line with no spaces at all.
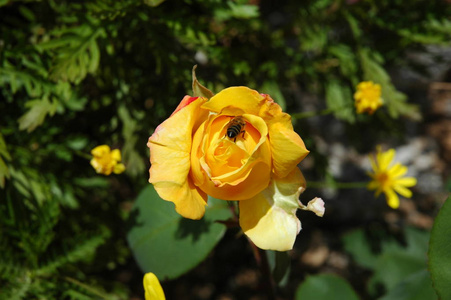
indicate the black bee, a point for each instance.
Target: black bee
{"x":235,"y":127}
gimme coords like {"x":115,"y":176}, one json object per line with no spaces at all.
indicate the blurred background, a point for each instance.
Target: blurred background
{"x":77,"y":74}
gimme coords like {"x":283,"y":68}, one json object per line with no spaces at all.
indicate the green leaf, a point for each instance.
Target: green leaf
{"x":167,"y":244}
{"x":198,"y":89}
{"x":280,"y":264}
{"x":235,"y":10}
{"x":271,"y":88}
{"x":325,"y":287}
{"x":339,"y":100}
{"x":16,"y":78}
{"x":393,"y":267}
{"x":395,"y":101}
{"x":243,"y":11}
{"x":355,"y":243}
{"x":83,"y":248}
{"x":4,"y":171}
{"x":38,"y":110}
{"x":93,"y":182}
{"x":416,"y":286}
{"x":347,"y":61}
{"x":77,"y":142}
{"x":314,"y":38}
{"x":153,"y":3}
{"x":76,"y":53}
{"x":91,"y":290}
{"x":394,"y":262}
{"x":439,"y":252}
{"x":354,"y":25}
{"x":130,"y":157}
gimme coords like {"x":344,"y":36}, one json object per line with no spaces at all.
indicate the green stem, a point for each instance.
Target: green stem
{"x":91,"y":289}
{"x":83,"y":154}
{"x":313,"y":113}
{"x":262,"y":261}
{"x":337,"y":185}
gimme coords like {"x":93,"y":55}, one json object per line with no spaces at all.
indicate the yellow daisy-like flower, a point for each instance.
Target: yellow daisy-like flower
{"x":389,"y":179}
{"x":152,"y":287}
{"x":368,"y":97}
{"x":105,"y":161}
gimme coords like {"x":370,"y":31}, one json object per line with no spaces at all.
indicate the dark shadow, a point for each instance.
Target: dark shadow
{"x":133,"y":220}
{"x":193,"y":228}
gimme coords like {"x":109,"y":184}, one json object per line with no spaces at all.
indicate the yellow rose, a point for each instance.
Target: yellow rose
{"x":193,"y":155}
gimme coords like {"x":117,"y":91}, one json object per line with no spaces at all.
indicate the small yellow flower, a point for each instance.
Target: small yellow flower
{"x":152,"y":287}
{"x":368,"y":97}
{"x":106,"y":161}
{"x":389,"y":179}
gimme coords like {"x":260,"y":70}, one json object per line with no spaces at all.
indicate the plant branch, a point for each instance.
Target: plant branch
{"x":337,"y":185}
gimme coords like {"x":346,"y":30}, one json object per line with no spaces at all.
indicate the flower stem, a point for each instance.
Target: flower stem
{"x":89,"y":288}
{"x":337,"y":185}
{"x":262,"y":261}
{"x":313,"y":113}
{"x":83,"y":154}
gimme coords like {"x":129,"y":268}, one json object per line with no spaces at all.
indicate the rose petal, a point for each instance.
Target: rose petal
{"x":170,"y":156}
{"x":269,"y":219}
{"x":287,"y":147}
{"x":316,"y":205}
{"x":185,"y":102}
{"x":233,"y":182}
{"x":234,"y":101}
{"x":189,"y":200}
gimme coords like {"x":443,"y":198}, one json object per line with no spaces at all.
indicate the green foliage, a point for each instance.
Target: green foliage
{"x":393,"y":99}
{"x":75,"y":52}
{"x":394,"y":261}
{"x":280,"y":264}
{"x":4,"y":155}
{"x":77,"y":74}
{"x":198,"y":89}
{"x":35,"y":116}
{"x":165,"y":243}
{"x":339,"y":100}
{"x":31,"y":250}
{"x":439,"y":247}
{"x":153,"y":2}
{"x":325,"y":286}
{"x":236,"y":10}
{"x":416,"y":286}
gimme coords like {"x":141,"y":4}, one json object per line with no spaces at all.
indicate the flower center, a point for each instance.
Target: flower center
{"x":384,"y":180}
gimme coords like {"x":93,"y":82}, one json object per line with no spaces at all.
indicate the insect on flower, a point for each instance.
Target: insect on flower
{"x":235,"y":127}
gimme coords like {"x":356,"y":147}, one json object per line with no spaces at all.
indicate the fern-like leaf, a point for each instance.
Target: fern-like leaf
{"x":76,"y":53}
{"x":339,"y":100}
{"x":83,"y":248}
{"x":38,"y":110}
{"x":4,"y":154}
{"x":16,"y":79}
